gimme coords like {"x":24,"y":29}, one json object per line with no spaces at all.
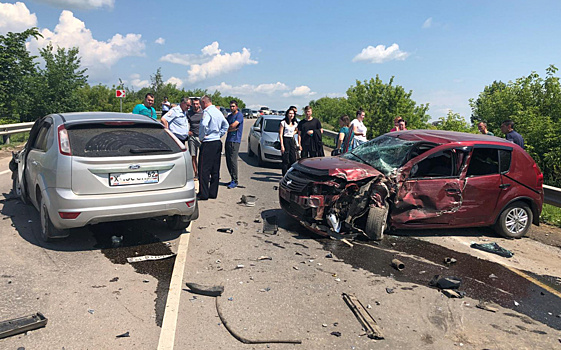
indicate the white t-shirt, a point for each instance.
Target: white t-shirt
{"x":288,"y":129}
{"x":360,"y":128}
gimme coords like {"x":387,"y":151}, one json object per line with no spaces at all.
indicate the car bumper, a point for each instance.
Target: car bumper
{"x":95,"y":209}
{"x":271,"y":154}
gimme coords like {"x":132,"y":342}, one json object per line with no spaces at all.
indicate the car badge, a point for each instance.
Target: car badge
{"x":288,"y":182}
{"x":134,"y":167}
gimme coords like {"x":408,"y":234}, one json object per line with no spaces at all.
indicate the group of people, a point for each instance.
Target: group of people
{"x":507,"y":128}
{"x":200,"y":125}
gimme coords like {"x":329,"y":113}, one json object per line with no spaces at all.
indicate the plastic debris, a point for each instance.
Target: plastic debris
{"x":240,"y":266}
{"x":116,"y":241}
{"x":516,"y":303}
{"x":270,"y":225}
{"x":149,"y":257}
{"x":265,"y":289}
{"x":329,"y":256}
{"x":324,"y":325}
{"x":211,"y":291}
{"x":450,"y":293}
{"x":344,"y":240}
{"x":493,"y":248}
{"x":389,"y":290}
{"x":24,"y":324}
{"x":449,"y":261}
{"x":264,"y":257}
{"x":124,"y":335}
{"x":91,"y":311}
{"x":114,"y":279}
{"x":248,"y":201}
{"x":146,"y":281}
{"x":450,"y":282}
{"x":337,"y":334}
{"x":231,"y":299}
{"x":295,"y":267}
{"x":492,"y":276}
{"x":225,"y":230}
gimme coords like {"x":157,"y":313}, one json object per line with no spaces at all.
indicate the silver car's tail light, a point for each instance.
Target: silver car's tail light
{"x":63,"y":141}
{"x":190,"y":204}
{"x":181,"y":144}
{"x":69,"y":215}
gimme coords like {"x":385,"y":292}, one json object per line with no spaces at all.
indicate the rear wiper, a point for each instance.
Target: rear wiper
{"x":149,"y":150}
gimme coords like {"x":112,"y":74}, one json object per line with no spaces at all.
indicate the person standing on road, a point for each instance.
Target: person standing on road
{"x":507,"y":128}
{"x":176,"y":120}
{"x":212,"y":127}
{"x":146,"y":108}
{"x":482,"y":126}
{"x":166,"y":106}
{"x":310,"y":133}
{"x":288,"y":128}
{"x":233,"y":141}
{"x":358,"y":128}
{"x":195,"y":115}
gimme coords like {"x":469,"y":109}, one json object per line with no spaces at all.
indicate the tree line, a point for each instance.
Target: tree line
{"x":59,"y":84}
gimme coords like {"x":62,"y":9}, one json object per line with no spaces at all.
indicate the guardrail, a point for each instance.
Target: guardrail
{"x":9,"y":129}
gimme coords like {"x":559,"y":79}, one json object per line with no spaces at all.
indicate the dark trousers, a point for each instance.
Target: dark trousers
{"x":308,"y":152}
{"x":209,"y":169}
{"x":232,"y":149}
{"x":289,"y":155}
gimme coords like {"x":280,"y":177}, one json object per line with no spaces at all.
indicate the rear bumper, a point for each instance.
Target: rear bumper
{"x":116,"y":207}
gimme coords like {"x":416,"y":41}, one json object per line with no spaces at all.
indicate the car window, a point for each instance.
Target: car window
{"x":272,"y":125}
{"x":504,"y":160}
{"x":484,"y":161}
{"x":258,"y":123}
{"x":95,"y":140}
{"x":41,"y":140}
{"x":446,"y":163}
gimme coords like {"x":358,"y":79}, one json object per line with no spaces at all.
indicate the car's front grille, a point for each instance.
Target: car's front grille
{"x":294,"y":184}
{"x":273,"y":156}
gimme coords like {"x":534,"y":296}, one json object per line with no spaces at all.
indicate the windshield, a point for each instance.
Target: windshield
{"x":385,"y":153}
{"x":272,"y":125}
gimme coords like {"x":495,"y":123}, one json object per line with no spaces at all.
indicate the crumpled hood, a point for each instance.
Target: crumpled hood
{"x":341,"y":167}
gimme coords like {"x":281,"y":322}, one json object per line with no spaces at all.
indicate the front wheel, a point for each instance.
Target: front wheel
{"x":177,"y":222}
{"x":260,"y":160}
{"x":249,"y":151}
{"x":515,"y":220}
{"x":376,"y":222}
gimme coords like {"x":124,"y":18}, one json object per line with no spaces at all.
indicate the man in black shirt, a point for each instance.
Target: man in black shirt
{"x":194,"y":117}
{"x":310,"y":133}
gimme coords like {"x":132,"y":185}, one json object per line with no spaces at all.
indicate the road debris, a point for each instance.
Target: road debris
{"x":211,"y":291}
{"x":240,"y":266}
{"x":389,"y":290}
{"x":398,"y":265}
{"x":114,"y":279}
{"x":257,"y":221}
{"x":344,"y":240}
{"x":146,"y":281}
{"x":329,"y":256}
{"x":264,"y":257}
{"x":23,"y":324}
{"x":493,"y":276}
{"x":295,"y":267}
{"x":487,"y":306}
{"x":91,"y":311}
{"x":450,"y":293}
{"x":516,"y":303}
{"x":124,"y":335}
{"x":248,"y":201}
{"x":449,"y":260}
{"x":337,"y":334}
{"x":149,"y":257}
{"x":324,"y":325}
{"x":116,"y":241}
{"x":265,"y":289}
{"x":225,"y":230}
{"x":493,"y":248}
{"x":366,"y":320}
{"x":450,"y":282}
{"x":270,"y":225}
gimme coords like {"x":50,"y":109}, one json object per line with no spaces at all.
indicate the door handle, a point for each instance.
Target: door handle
{"x":504,"y":185}
{"x":453,"y":190}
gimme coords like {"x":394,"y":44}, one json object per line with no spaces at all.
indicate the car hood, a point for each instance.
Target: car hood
{"x":340,"y":167}
{"x":270,"y":136}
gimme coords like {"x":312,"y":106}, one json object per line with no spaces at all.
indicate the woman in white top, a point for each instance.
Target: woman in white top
{"x":358,"y":128}
{"x":288,"y":128}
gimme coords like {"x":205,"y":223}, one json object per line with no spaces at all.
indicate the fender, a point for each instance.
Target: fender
{"x":533,"y":207}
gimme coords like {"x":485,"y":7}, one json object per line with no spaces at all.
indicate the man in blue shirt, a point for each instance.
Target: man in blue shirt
{"x":176,"y":120}
{"x":233,"y":141}
{"x":507,"y":127}
{"x":213,"y":126}
{"x":146,"y":107}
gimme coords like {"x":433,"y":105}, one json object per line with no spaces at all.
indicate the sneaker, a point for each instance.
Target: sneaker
{"x":229,"y":184}
{"x":233,"y":184}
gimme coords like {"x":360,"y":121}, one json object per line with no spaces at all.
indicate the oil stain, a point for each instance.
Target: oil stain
{"x":137,"y":242}
{"x":482,"y":279}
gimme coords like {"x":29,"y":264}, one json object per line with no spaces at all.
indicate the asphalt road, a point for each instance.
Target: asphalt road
{"x":284,"y":286}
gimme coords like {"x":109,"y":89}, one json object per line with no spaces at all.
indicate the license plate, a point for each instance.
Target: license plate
{"x":284,"y":193}
{"x":136,"y":178}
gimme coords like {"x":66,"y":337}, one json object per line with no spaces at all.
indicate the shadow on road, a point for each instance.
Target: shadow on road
{"x":253,"y":162}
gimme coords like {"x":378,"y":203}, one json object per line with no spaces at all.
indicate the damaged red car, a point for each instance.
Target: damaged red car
{"x":417,"y":179}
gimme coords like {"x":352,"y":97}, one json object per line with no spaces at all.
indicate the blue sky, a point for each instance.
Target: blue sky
{"x":285,"y":53}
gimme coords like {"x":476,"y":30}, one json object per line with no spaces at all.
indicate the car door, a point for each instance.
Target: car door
{"x":482,"y":187}
{"x":431,"y":190}
{"x":36,"y":158}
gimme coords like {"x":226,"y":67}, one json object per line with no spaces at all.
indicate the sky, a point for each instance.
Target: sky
{"x":284,"y":53}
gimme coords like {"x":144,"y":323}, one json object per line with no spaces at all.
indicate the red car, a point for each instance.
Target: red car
{"x":417,"y":179}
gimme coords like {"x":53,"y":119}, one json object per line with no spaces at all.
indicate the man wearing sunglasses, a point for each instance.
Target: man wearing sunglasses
{"x":233,"y":141}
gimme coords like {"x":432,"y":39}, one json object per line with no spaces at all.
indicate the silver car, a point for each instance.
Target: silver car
{"x":85,"y":168}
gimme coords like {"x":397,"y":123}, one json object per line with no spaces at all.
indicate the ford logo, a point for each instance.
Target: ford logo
{"x":134,"y":167}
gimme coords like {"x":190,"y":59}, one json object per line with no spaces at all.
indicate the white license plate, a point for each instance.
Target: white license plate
{"x":140,"y":177}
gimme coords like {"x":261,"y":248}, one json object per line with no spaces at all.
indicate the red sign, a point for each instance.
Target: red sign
{"x":120,"y":93}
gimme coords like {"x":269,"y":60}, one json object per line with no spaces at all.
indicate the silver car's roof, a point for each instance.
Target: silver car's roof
{"x":103,"y":117}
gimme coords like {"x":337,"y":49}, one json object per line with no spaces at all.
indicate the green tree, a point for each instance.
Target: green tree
{"x":17,"y":72}
{"x":455,"y":122}
{"x":330,"y":109}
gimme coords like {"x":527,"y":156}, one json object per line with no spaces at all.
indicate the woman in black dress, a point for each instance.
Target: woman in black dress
{"x":310,"y":133}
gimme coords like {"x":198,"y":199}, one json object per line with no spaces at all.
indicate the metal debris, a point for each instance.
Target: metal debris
{"x":124,"y":335}
{"x":398,"y":265}
{"x":389,"y":290}
{"x":366,"y":320}
{"x":91,"y":311}
{"x":23,"y":324}
{"x":149,"y":257}
{"x":264,"y":257}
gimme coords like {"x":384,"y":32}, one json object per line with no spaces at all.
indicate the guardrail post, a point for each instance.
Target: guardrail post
{"x":6,"y":139}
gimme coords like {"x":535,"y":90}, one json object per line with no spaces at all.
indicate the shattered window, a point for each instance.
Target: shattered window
{"x":505,"y":157}
{"x":484,"y":161}
{"x":384,"y":153}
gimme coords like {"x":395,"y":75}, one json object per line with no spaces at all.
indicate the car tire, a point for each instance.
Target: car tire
{"x":249,"y":151}
{"x":176,"y":222}
{"x":515,"y":220}
{"x":260,"y":160}
{"x":48,"y":230}
{"x":376,"y":223}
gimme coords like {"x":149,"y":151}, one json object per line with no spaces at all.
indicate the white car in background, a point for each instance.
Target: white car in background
{"x":263,"y":136}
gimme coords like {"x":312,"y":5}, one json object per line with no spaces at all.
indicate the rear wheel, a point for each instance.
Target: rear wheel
{"x":48,"y":231}
{"x":249,"y":151}
{"x":376,"y":222}
{"x":515,"y":220}
{"x":177,"y":222}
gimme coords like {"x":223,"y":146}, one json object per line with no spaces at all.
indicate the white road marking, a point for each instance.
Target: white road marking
{"x":169,"y":324}
{"x":5,"y":172}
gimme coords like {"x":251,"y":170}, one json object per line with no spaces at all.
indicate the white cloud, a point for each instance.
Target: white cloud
{"x":160,"y":41}
{"x":247,"y":89}
{"x":427,"y":23}
{"x":96,"y":55}
{"x":380,"y":54}
{"x":16,"y":18}
{"x":300,"y":91}
{"x":137,"y":83}
{"x":80,"y":4}
{"x":175,"y":81}
{"x":211,"y":62}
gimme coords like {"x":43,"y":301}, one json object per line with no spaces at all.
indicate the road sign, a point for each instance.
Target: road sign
{"x":120,"y":93}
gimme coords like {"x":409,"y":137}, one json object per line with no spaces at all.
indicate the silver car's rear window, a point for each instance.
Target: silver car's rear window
{"x":117,"y":141}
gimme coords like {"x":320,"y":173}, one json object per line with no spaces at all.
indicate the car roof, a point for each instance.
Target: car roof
{"x":272,"y":116}
{"x":443,"y":136}
{"x":103,"y":117}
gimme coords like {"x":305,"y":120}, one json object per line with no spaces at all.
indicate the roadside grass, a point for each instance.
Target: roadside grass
{"x":551,"y":215}
{"x":15,"y":140}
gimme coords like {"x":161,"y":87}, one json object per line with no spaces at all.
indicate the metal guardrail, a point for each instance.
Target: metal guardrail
{"x":552,"y":195}
{"x":9,"y":129}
